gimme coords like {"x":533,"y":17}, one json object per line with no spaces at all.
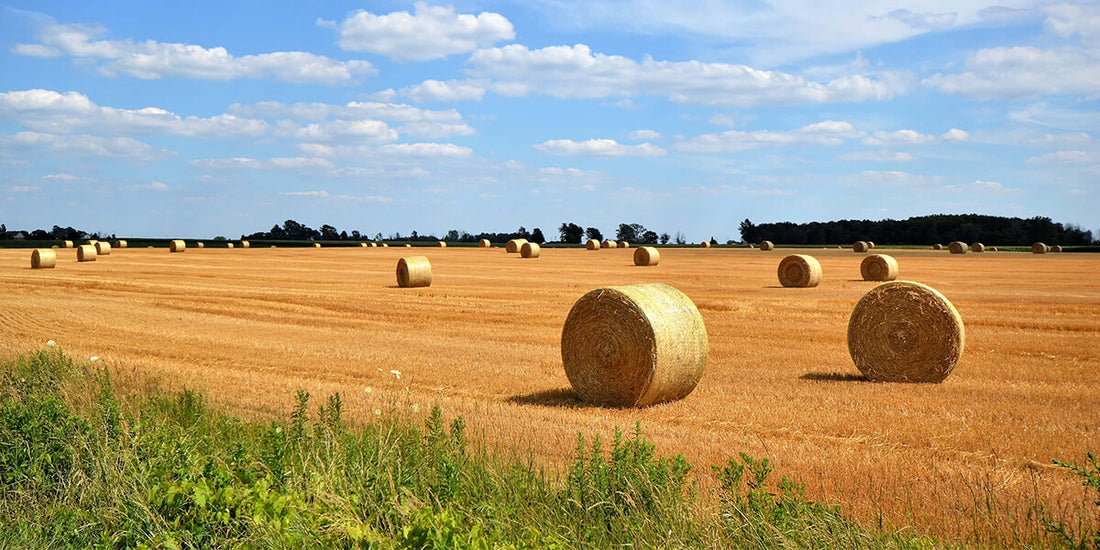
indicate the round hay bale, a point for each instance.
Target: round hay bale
{"x":384,"y":245}
{"x":102,"y":248}
{"x":750,"y":245}
{"x":592,"y":244}
{"x":1039,"y":248}
{"x":905,"y":332}
{"x":200,"y":244}
{"x":407,"y":245}
{"x":66,"y":244}
{"x":646,"y":256}
{"x":870,"y":245}
{"x":992,"y":249}
{"x":766,"y":245}
{"x":362,"y":245}
{"x":230,"y":245}
{"x":92,"y":242}
{"x":85,"y":253}
{"x":484,"y":243}
{"x":55,"y":246}
{"x":414,"y":271}
{"x":937,"y":246}
{"x":624,"y":244}
{"x":316,"y":245}
{"x":246,"y":244}
{"x":1056,"y":248}
{"x":957,"y":247}
{"x":704,"y":244}
{"x":514,"y":245}
{"x":861,"y":246}
{"x":799,"y":271}
{"x":374,"y":245}
{"x":609,"y":244}
{"x":177,"y":245}
{"x":879,"y":267}
{"x":530,"y":250}
{"x":43,"y":258}
{"x":632,"y":346}
{"x":120,"y":243}
{"x":441,"y":244}
{"x":977,"y":247}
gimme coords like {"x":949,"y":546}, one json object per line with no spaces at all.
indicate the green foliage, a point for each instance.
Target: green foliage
{"x":1083,"y":537}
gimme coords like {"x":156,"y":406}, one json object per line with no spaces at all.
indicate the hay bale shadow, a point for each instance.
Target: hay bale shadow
{"x":833,"y":377}
{"x":561,"y":397}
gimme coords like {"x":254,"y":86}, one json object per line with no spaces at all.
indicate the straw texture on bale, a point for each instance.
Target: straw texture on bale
{"x":860,"y":246}
{"x":879,"y":267}
{"x":1056,"y":248}
{"x":484,"y":243}
{"x":120,"y":243}
{"x":513,"y":246}
{"x":85,"y":253}
{"x":414,"y":271}
{"x":905,"y":332}
{"x":646,"y":256}
{"x":230,"y":245}
{"x":624,"y":244}
{"x":246,"y":244}
{"x":633,"y":346}
{"x":937,"y":246}
{"x":799,"y":271}
{"x":957,"y":247}
{"x":530,"y":250}
{"x":592,"y":244}
{"x":102,"y":248}
{"x":977,"y":247}
{"x":200,"y":244}
{"x":766,"y":245}
{"x":177,"y":245}
{"x":43,"y":258}
{"x":66,"y":244}
{"x":441,"y":244}
{"x":704,"y":244}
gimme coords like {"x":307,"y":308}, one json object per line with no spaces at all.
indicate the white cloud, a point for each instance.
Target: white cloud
{"x":426,"y":150}
{"x":150,"y":59}
{"x":829,"y":132}
{"x":1065,"y":157}
{"x":50,"y":111}
{"x":318,"y":194}
{"x":448,"y":91}
{"x":432,"y":32}
{"x":304,"y":164}
{"x":36,"y":144}
{"x":418,"y":123}
{"x":156,"y":186}
{"x":346,"y":131}
{"x":1043,"y":114}
{"x":575,"y":72}
{"x":22,"y":189}
{"x":60,"y":177}
{"x":921,"y":21}
{"x":644,"y":135}
{"x":878,"y":156}
{"x":906,"y":137}
{"x":985,"y":188}
{"x":956,"y":135}
{"x":598,"y":148}
{"x":892,"y":178}
{"x":722,"y":120}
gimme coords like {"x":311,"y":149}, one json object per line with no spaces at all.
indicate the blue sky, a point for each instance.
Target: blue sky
{"x":220,"y":118}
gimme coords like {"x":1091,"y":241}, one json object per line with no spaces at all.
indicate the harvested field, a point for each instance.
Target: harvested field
{"x":779,"y":382}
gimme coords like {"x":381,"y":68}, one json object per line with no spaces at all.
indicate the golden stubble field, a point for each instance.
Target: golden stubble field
{"x":964,"y":459}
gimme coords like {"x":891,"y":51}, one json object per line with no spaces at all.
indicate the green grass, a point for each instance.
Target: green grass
{"x":81,"y":467}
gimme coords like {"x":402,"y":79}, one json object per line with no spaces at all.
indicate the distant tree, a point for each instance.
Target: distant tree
{"x":452,"y":236}
{"x":570,"y":233}
{"x":713,"y":241}
{"x":649,"y":237}
{"x":626,"y":232}
{"x":328,"y":233}
{"x":522,"y":233}
{"x":664,"y":238}
{"x":680,"y":239}
{"x":536,"y":236}
{"x":593,"y":233}
{"x":749,"y":233}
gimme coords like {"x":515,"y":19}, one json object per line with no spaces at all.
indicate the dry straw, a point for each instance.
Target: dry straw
{"x":484,"y":243}
{"x":246,"y":244}
{"x":177,"y":245}
{"x":530,"y":250}
{"x":513,"y":246}
{"x":799,"y":271}
{"x":766,"y":245}
{"x":704,"y":244}
{"x":414,"y":271}
{"x":977,"y":247}
{"x":592,"y":244}
{"x":120,"y":244}
{"x":66,"y":244}
{"x":624,"y":244}
{"x":632,"y":346}
{"x":957,"y":247}
{"x":85,"y":253}
{"x":879,"y":267}
{"x":861,"y":246}
{"x":102,"y":248}
{"x":646,"y":256}
{"x":42,"y":258}
{"x":441,"y":244}
{"x":905,"y":332}
{"x":937,"y":246}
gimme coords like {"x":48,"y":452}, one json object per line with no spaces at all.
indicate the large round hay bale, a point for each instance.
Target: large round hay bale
{"x":66,"y":244}
{"x":879,"y":267}
{"x":177,"y":245}
{"x":414,"y":271}
{"x":484,"y":243}
{"x":860,"y":246}
{"x":530,"y":250}
{"x":441,"y":244}
{"x":246,"y":244}
{"x":592,"y":244}
{"x":610,"y":244}
{"x":624,"y":244}
{"x":102,"y":248}
{"x":977,"y":247}
{"x":1039,"y":248}
{"x":646,"y":256}
{"x":120,"y":243}
{"x":937,"y":246}
{"x":905,"y":332}
{"x":704,"y":244}
{"x":957,"y":247}
{"x":85,"y":253}
{"x":1056,"y":248}
{"x":766,"y":245}
{"x":513,"y":246}
{"x":632,"y":346}
{"x":200,"y":244}
{"x":43,"y":258}
{"x":799,"y":271}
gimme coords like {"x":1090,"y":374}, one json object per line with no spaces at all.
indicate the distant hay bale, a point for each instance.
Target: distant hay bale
{"x":102,"y":248}
{"x":977,"y":247}
{"x":870,"y":245}
{"x":177,"y":245}
{"x":120,"y":243}
{"x":43,"y":258}
{"x":374,"y":245}
{"x":1039,"y":248}
{"x":957,"y":247}
{"x":246,"y":244}
{"x":592,"y":244}
{"x":609,"y":244}
{"x":937,"y":246}
{"x":799,"y":271}
{"x":646,"y":256}
{"x":766,"y":245}
{"x":316,"y":245}
{"x":905,"y":332}
{"x":861,"y":246}
{"x":750,"y":245}
{"x":230,"y":245}
{"x":1056,"y":248}
{"x":992,"y":249}
{"x":441,"y":244}
{"x":879,"y":267}
{"x":624,"y":244}
{"x":85,"y":253}
{"x":414,"y":271}
{"x":633,"y":346}
{"x":530,"y":250}
{"x":704,"y":244}
{"x":66,"y":244}
{"x":384,"y":245}
{"x":200,"y":244}
{"x":55,"y":246}
{"x":363,"y":245}
{"x":513,"y":246}
{"x":484,"y":243}
{"x":407,"y":245}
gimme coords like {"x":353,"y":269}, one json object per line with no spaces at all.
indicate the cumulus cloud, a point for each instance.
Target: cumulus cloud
{"x":904,"y":137}
{"x":304,"y":164}
{"x":431,"y":32}
{"x":829,"y":132}
{"x":1065,"y":157}
{"x":418,"y":123}
{"x":878,"y":156}
{"x":598,"y":148}
{"x":985,"y":188}
{"x":575,"y":72}
{"x":644,"y":135}
{"x":892,"y":178}
{"x":366,"y":131}
{"x":426,"y":150}
{"x":448,"y":91}
{"x":150,"y":59}
{"x":1043,"y":114}
{"x":956,"y":135}
{"x":79,"y":146}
